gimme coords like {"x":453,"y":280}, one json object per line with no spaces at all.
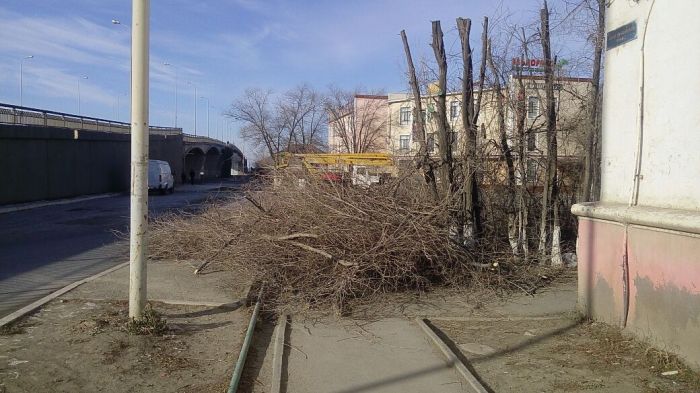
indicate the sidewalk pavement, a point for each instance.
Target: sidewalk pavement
{"x":168,"y":282}
{"x":391,"y":353}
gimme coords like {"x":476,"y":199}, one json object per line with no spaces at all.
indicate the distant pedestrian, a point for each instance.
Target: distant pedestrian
{"x":192,"y":177}
{"x":183,"y":177}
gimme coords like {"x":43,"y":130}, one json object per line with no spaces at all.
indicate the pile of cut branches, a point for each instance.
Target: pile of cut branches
{"x":314,"y":244}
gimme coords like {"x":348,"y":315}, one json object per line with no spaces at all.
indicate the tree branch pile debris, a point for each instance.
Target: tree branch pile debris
{"x":319,"y":243}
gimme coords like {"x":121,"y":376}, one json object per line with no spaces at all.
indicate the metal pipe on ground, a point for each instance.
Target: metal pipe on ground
{"x":238,"y":370}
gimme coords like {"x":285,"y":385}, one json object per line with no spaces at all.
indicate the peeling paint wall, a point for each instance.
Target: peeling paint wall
{"x":664,"y":283}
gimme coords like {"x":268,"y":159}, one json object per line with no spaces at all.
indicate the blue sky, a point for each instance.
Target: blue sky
{"x":221,"y":47}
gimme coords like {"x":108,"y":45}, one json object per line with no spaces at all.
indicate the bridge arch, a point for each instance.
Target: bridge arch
{"x":212,"y":163}
{"x":194,"y":164}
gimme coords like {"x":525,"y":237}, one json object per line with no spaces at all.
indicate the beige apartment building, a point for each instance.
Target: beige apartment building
{"x":387,"y":122}
{"x":360,"y":126}
{"x":571,"y":97}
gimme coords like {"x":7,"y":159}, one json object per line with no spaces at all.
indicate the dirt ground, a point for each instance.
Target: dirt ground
{"x":514,"y":344}
{"x":554,"y":354}
{"x":84,"y":346}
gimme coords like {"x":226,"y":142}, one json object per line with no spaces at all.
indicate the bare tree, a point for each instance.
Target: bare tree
{"x":550,"y":205}
{"x":470,"y":118}
{"x":444,"y":135}
{"x":357,"y":123}
{"x":590,"y":182}
{"x":302,"y":114}
{"x":506,"y":152}
{"x":423,"y":160}
{"x":275,"y":123}
{"x":260,"y":125}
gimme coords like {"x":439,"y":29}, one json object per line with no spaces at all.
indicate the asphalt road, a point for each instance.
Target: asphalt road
{"x":46,"y":248}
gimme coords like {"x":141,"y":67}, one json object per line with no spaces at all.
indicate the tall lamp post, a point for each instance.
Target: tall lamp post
{"x":138,"y":227}
{"x":82,"y":77}
{"x":195,"y":106}
{"x":117,"y":22}
{"x":205,"y":98}
{"x":21,"y":76}
{"x":119,"y":105}
{"x":175,"y":68}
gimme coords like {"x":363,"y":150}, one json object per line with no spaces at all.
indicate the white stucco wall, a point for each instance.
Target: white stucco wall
{"x":670,"y":165}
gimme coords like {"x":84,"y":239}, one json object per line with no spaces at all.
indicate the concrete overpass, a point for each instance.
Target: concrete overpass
{"x":49,"y":155}
{"x":209,"y":158}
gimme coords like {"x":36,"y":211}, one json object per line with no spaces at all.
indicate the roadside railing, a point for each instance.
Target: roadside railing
{"x":14,"y":114}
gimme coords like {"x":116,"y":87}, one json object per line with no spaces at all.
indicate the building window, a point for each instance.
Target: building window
{"x":404,"y":142}
{"x":405,"y":115}
{"x":454,"y":109}
{"x":431,"y":143}
{"x":533,"y":107}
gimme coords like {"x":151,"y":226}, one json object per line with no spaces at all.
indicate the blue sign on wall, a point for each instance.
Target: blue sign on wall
{"x":621,"y":35}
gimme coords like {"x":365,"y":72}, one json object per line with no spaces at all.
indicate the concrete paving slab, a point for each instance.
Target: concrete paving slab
{"x":558,"y":299}
{"x":390,"y":355}
{"x":169,"y":282}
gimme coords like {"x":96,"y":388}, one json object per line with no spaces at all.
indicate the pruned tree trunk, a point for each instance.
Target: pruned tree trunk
{"x":591,"y":163}
{"x":445,"y":165}
{"x":556,"y":238}
{"x":423,"y":160}
{"x":507,"y":156}
{"x":523,"y":200}
{"x":549,"y":192}
{"x":471,"y":214}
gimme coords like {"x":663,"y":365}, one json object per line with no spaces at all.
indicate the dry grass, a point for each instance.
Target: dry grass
{"x":151,"y":323}
{"x":616,"y":348}
{"x":11,"y":329}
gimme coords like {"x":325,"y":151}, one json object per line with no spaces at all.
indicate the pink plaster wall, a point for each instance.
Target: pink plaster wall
{"x":664,"y":282}
{"x":600,"y":250}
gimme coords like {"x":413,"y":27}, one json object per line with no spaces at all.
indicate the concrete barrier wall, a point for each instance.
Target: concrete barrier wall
{"x":40,"y":163}
{"x":167,"y":148}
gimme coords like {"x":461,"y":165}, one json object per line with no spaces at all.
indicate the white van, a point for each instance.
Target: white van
{"x":160,"y":177}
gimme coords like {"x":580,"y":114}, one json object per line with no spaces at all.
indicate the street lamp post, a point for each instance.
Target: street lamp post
{"x":175,"y":68}
{"x":21,"y":76}
{"x":119,"y":105}
{"x":139,"y":157}
{"x":82,"y":77}
{"x":117,"y":22}
{"x":205,"y":98}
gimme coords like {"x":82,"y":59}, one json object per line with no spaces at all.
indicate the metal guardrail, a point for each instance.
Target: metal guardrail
{"x":14,"y":114}
{"x":200,"y":139}
{"x":22,"y":115}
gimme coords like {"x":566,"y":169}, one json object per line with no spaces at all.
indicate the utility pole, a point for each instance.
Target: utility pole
{"x":195,"y":107}
{"x":205,"y":98}
{"x":21,"y":77}
{"x":82,"y":77}
{"x":139,"y":157}
{"x":175,"y":68}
